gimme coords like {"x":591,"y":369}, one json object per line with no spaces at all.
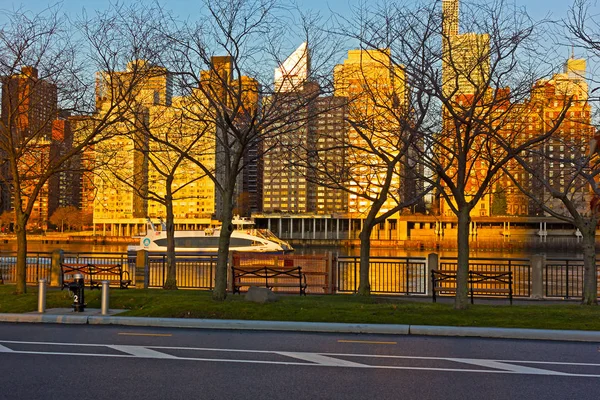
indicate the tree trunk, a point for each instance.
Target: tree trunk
{"x":21,"y":222}
{"x":171,"y":281}
{"x":461,"y":301}
{"x":364,"y":288}
{"x":590,"y":286}
{"x":220,"y":290}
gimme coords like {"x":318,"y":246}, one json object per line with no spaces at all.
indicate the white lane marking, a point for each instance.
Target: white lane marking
{"x":458,"y":359}
{"x":302,"y":364}
{"x":504,"y":368}
{"x":507,"y":367}
{"x":140,"y":351}
{"x":327,"y":354}
{"x":319,"y":359}
{"x":4,"y":349}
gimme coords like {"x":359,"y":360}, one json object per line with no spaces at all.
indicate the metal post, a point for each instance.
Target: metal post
{"x":433,"y":260}
{"x":42,"y":296}
{"x":105,"y":297}
{"x":538,"y":262}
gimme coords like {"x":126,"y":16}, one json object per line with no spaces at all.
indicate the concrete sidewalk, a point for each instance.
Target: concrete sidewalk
{"x":93,"y":317}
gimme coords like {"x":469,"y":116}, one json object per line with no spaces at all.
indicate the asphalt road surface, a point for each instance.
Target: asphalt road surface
{"x":113,"y":362}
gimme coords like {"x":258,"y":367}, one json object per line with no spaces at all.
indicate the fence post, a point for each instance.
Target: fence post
{"x":432,"y":263}
{"x":330,"y":273}
{"x":538,"y":262}
{"x":55,"y":271}
{"x":142,"y":270}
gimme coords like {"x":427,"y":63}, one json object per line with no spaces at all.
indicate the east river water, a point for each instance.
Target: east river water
{"x":38,"y":246}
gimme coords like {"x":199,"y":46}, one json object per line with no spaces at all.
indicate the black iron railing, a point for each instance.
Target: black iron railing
{"x":520,"y":269}
{"x":387,"y":275}
{"x":563,"y":278}
{"x":38,"y":266}
{"x":192,"y":271}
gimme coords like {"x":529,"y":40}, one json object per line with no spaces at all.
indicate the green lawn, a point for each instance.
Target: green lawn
{"x":331,"y":308}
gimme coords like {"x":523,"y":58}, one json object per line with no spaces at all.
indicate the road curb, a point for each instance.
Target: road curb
{"x":506,"y":333}
{"x":45,"y":318}
{"x":252,"y":325}
{"x":321,"y":327}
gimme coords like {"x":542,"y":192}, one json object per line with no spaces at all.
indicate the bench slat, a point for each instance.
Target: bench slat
{"x":96,"y":273}
{"x":269,"y":277}
{"x":440,"y":278}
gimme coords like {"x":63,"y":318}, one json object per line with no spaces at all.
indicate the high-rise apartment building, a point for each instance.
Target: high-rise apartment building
{"x":64,"y":187}
{"x":240,"y":97}
{"x":287,"y":186}
{"x":465,"y":57}
{"x":376,"y":96}
{"x":309,"y":124}
{"x":549,"y":99}
{"x":130,"y":168}
{"x":141,"y":83}
{"x":29,"y":109}
{"x":330,"y":142}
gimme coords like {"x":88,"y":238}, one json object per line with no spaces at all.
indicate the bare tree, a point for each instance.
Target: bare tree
{"x":567,"y":189}
{"x":171,"y":176}
{"x":370,"y":156}
{"x":235,"y":96}
{"x":461,"y":82}
{"x":44,"y":70}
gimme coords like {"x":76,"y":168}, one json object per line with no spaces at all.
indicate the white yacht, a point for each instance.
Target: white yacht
{"x":243,"y":238}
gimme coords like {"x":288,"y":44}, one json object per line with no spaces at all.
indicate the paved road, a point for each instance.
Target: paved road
{"x":80,"y":362}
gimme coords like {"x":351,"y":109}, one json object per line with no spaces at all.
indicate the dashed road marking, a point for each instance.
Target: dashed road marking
{"x":145,"y":334}
{"x":140,"y":351}
{"x":308,"y":359}
{"x":320,"y":359}
{"x":365,"y":341}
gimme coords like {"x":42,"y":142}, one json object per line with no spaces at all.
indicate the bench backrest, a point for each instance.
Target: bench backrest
{"x":91,"y":269}
{"x":266,"y":272}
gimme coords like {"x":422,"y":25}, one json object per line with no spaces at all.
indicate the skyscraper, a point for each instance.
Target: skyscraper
{"x":465,"y":57}
{"x":28,"y":112}
{"x":376,"y":97}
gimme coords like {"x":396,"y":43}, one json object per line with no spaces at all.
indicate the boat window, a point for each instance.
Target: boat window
{"x":202,"y":242}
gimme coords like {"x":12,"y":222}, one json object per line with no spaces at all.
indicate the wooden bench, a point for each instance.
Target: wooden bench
{"x":94,"y":274}
{"x":269,"y":277}
{"x":444,"y":281}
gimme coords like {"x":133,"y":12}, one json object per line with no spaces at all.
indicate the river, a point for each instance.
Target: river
{"x":38,"y":246}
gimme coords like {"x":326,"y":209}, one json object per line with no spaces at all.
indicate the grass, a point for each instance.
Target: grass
{"x":330,"y":308}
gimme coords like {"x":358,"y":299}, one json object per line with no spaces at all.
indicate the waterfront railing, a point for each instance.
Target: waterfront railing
{"x":520,"y":268}
{"x":387,"y":275}
{"x":326,"y":273}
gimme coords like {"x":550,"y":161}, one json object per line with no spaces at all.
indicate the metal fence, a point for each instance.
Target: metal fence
{"x":519,"y":267}
{"x":38,"y":267}
{"x":387,"y":275}
{"x":563,"y":278}
{"x":192,"y":272}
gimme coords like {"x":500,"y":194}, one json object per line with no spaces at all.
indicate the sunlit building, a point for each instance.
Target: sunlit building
{"x":29,"y":109}
{"x":376,"y":96}
{"x":465,"y":57}
{"x":131,"y":169}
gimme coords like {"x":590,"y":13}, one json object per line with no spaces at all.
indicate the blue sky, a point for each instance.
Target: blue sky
{"x":183,"y":8}
{"x":538,"y":9}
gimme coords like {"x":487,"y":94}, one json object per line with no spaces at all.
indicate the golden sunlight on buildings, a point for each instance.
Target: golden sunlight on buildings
{"x":376,"y":95}
{"x":132,"y":170}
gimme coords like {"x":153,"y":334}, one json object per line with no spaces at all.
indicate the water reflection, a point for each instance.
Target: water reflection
{"x":38,"y":246}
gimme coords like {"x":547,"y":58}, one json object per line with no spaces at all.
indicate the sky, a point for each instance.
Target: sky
{"x":183,"y":8}
{"x":537,"y":9}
